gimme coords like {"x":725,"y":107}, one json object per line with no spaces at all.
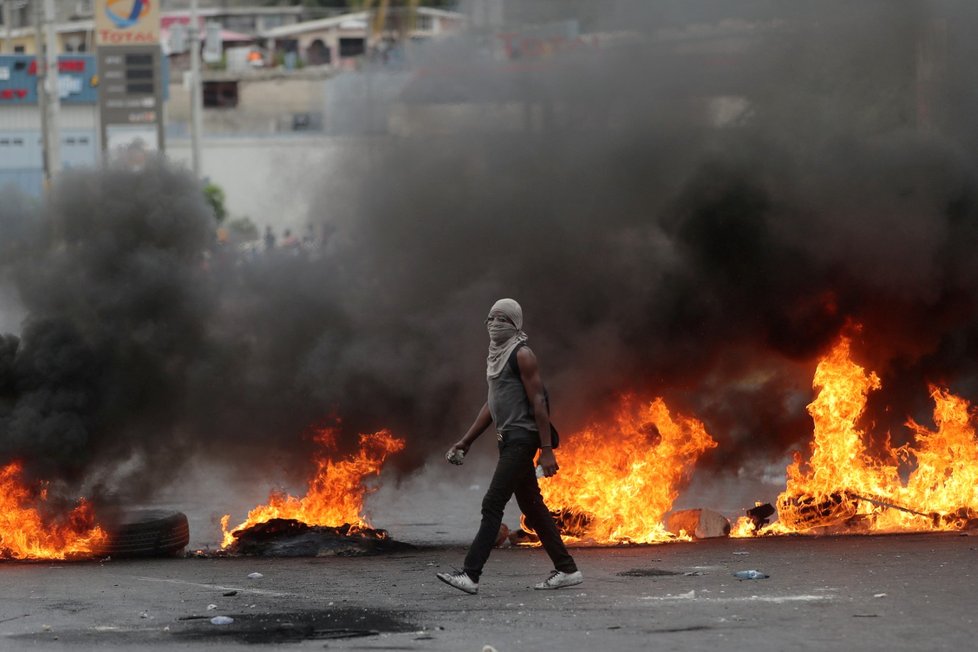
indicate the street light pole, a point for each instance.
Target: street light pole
{"x":52,"y":91}
{"x":50,"y":154}
{"x":8,"y":17}
{"x":196,"y":100}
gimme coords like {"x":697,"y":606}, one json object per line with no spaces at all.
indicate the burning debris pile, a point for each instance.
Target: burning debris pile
{"x":289,"y":537}
{"x":845,"y":488}
{"x":326,"y":521}
{"x":617,"y":480}
{"x":617,"y":484}
{"x":27,"y":532}
{"x":329,"y":519}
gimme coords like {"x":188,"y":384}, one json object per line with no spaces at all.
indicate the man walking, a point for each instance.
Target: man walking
{"x":517,"y":405}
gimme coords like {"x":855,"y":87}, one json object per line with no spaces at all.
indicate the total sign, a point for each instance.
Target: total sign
{"x":127,"y":22}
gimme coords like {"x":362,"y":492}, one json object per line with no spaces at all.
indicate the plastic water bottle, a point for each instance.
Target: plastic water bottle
{"x":750,"y":575}
{"x":540,"y":473}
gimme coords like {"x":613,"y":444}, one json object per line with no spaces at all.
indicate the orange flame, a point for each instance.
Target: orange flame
{"x":946,"y":478}
{"x":623,"y":477}
{"x":336,"y":492}
{"x":24,"y":534}
{"x":846,"y":487}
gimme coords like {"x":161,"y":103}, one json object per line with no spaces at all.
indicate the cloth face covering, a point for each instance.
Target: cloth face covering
{"x":504,"y":336}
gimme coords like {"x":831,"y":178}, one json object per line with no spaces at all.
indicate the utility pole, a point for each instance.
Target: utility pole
{"x":46,"y":57}
{"x":53,"y":88}
{"x":8,"y":18}
{"x":196,"y":99}
{"x":42,"y":103}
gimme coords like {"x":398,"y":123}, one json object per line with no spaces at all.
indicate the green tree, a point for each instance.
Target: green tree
{"x":214,"y":195}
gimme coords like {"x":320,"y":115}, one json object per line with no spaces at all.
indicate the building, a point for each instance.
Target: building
{"x":21,"y":147}
{"x":74,"y":36}
{"x":340,"y":40}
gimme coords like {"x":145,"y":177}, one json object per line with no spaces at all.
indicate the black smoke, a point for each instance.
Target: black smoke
{"x":659,"y":247}
{"x":694,"y":200}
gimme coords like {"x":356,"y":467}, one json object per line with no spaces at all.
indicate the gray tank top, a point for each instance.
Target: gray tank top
{"x":508,"y":404}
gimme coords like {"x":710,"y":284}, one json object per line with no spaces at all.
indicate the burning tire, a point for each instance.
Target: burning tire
{"x":148,"y":533}
{"x":807,"y":511}
{"x":569,"y":523}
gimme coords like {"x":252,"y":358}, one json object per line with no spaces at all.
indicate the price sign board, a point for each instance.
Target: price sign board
{"x":130,"y":98}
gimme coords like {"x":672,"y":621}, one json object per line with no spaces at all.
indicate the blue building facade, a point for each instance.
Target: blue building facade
{"x":21,"y":145}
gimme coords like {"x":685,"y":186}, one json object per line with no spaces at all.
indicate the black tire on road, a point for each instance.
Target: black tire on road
{"x":148,"y":533}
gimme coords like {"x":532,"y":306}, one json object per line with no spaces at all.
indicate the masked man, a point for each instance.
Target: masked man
{"x":517,"y":405}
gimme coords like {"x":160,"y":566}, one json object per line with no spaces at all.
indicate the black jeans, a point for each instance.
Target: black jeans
{"x":515,"y":474}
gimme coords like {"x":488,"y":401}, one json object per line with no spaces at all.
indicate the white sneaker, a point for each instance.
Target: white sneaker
{"x":559,"y":580}
{"x":460,"y":580}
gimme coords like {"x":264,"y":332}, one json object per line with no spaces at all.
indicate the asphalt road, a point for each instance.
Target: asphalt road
{"x":903,"y":592}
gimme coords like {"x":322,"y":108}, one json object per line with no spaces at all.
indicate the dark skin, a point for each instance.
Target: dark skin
{"x":533,"y":384}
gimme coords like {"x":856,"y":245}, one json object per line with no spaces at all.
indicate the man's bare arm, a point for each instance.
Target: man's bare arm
{"x":533,"y":384}
{"x":482,"y":421}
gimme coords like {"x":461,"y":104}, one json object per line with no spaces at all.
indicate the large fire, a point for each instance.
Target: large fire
{"x":616,"y":481}
{"x":336,"y":492}
{"x":845,"y":486}
{"x":26,"y":534}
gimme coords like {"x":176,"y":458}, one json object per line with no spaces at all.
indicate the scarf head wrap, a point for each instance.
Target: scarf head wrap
{"x":503,"y":337}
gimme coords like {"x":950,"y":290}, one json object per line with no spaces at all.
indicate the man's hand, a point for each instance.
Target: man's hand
{"x":547,"y":462}
{"x":461,"y":447}
{"x":457,"y":452}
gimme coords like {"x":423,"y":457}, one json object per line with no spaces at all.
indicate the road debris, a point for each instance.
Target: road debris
{"x":760,"y":514}
{"x":750,"y":575}
{"x":698,"y":523}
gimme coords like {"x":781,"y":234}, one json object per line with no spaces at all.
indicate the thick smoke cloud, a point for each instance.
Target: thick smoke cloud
{"x":696,"y":205}
{"x":117,"y":310}
{"x":657,"y":253}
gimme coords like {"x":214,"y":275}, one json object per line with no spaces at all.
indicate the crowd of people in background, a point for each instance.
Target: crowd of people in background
{"x":230,"y":248}
{"x":312,"y":239}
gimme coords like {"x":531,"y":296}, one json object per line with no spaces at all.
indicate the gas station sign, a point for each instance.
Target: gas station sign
{"x":127,"y":22}
{"x":130,"y":70}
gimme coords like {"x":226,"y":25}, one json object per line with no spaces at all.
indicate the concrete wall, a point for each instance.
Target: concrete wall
{"x":21,"y":151}
{"x":274,"y":181}
{"x":265,"y":106}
